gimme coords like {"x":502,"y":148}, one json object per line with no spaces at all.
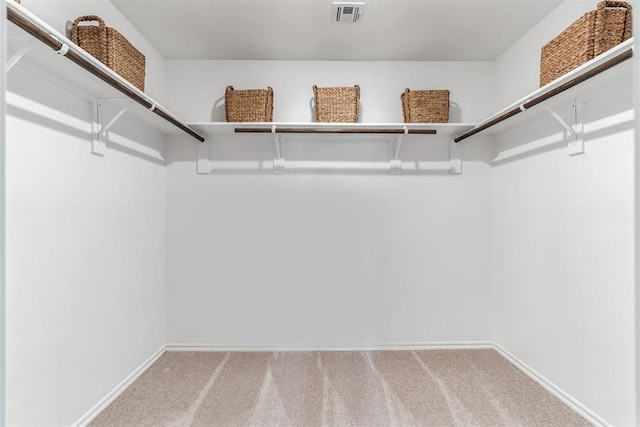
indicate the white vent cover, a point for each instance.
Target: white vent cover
{"x":346,"y":12}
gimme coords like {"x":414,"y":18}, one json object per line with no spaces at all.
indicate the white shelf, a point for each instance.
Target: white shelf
{"x":77,"y":71}
{"x":213,"y":129}
{"x":500,"y":120}
{"x":329,"y":147}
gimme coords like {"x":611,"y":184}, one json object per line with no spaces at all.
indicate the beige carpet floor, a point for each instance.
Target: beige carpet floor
{"x":336,"y":388}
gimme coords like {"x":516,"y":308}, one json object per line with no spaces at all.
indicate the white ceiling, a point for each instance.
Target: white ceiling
{"x":429,"y":30}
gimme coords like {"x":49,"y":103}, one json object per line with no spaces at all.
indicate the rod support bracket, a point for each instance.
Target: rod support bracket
{"x":278,"y":161}
{"x":395,"y":163}
{"x":64,"y":49}
{"x":455,"y":158}
{"x":100,"y":131}
{"x":203,"y":164}
{"x":522,"y":106}
{"x":574,"y":131}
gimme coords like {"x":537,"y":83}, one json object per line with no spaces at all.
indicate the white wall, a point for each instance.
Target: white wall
{"x":85,"y":251}
{"x":85,"y":258}
{"x":201,"y":84}
{"x":563,"y":239}
{"x":327,"y":260}
{"x":2,"y":210}
{"x":309,"y":260}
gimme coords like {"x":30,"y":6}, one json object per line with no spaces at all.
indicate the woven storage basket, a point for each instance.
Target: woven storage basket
{"x":425,"y":106}
{"x":249,"y":105}
{"x":589,"y":36}
{"x":111,"y":48}
{"x":337,"y":104}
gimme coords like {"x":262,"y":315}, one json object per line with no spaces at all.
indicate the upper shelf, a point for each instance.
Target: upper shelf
{"x":597,"y":65}
{"x":116,"y":84}
{"x":440,"y":129}
{"x":460,"y":131}
{"x":43,"y":32}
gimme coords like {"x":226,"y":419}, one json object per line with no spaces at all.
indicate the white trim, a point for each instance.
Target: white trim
{"x":332,"y":347}
{"x":636,"y":110}
{"x":3,"y":301}
{"x":117,"y":391}
{"x":565,"y":397}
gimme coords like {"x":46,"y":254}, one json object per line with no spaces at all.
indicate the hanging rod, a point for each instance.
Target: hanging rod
{"x":56,"y":41}
{"x":338,"y":130}
{"x":615,"y":60}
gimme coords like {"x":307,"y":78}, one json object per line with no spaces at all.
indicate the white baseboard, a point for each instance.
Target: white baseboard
{"x":565,"y":397}
{"x":106,"y":401}
{"x":332,"y":347}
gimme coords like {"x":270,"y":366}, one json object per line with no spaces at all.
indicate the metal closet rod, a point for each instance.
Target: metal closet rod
{"x":627,"y":54}
{"x":56,"y":45}
{"x":338,"y":130}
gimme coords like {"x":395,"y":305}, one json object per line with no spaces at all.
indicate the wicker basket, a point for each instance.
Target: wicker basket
{"x":249,"y":105}
{"x":425,"y":106}
{"x":111,"y":48}
{"x":589,"y":36}
{"x":337,"y":104}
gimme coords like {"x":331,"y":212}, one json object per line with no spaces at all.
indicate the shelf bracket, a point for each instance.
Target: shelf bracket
{"x":278,"y":161}
{"x":396,"y":162}
{"x":575,"y":142}
{"x":203,"y":165}
{"x":100,"y":132}
{"x":455,"y":158}
{"x":11,"y":62}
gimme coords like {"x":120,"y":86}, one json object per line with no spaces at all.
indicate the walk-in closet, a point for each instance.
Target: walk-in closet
{"x":312,"y":212}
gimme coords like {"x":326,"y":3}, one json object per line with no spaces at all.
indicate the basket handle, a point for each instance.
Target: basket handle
{"x":406,"y":114}
{"x":75,"y":28}
{"x":611,"y":3}
{"x":89,"y":18}
{"x":357,"y":87}
{"x":269,"y":105}
{"x":600,"y":23}
{"x":312,"y":101}
{"x":228,"y":88}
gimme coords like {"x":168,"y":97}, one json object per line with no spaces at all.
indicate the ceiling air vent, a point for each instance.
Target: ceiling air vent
{"x":346,"y":12}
